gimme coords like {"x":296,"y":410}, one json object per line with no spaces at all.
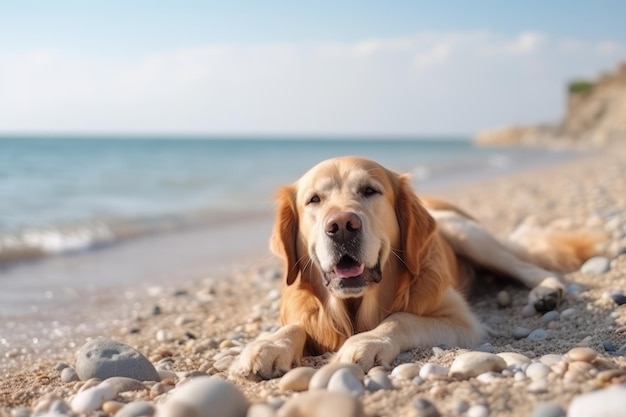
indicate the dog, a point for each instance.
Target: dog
{"x":371,"y":270}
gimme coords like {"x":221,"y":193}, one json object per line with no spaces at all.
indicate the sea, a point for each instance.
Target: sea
{"x":72,"y":201}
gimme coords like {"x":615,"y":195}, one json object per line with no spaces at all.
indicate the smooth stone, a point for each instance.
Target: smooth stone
{"x":377,"y":381}
{"x":568,"y":313}
{"x":472,"y":364}
{"x":165,"y":374}
{"x":574,"y":289}
{"x":60,"y":366}
{"x":321,"y":403}
{"x":503,"y":299}
{"x":297,"y":379}
{"x":224,"y":363}
{"x":404,"y":357}
{"x":433,"y":369}
{"x":260,"y":410}
{"x":520,"y":332}
{"x":618,"y":298}
{"x":343,"y":380}
{"x":514,"y":358}
{"x":548,"y":409}
{"x":488,"y":377}
{"x":538,"y":334}
{"x":551,"y":359}
{"x":537,"y":370}
{"x":92,"y":398}
{"x":528,"y":311}
{"x":136,"y":409}
{"x":425,"y":408}
{"x":495,"y":319}
{"x":549,"y":316}
{"x":596,"y":266}
{"x":606,"y":402}
{"x":539,"y":386}
{"x":112,"y":407}
{"x":204,"y":396}
{"x":478,"y":411}
{"x":582,"y":354}
{"x":485,"y":347}
{"x":69,"y":375}
{"x":323,"y":375}
{"x":406,"y":371}
{"x":608,"y":346}
{"x":123,"y":384}
{"x":21,"y":412}
{"x":104,"y":358}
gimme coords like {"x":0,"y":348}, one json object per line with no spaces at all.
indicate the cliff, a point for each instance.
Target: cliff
{"x":595,"y":116}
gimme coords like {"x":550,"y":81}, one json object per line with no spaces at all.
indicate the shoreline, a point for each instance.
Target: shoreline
{"x":241,"y":302}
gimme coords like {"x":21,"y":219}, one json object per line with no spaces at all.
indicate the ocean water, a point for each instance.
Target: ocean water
{"x":66,"y":195}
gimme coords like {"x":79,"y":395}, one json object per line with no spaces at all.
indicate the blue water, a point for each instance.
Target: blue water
{"x":60,"y":195}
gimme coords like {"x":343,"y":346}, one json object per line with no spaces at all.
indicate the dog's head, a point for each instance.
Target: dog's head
{"x":345,"y":218}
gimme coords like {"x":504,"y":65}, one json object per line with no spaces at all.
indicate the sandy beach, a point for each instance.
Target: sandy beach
{"x":197,"y":323}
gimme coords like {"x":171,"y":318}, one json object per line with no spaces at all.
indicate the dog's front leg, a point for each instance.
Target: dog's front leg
{"x":272,"y":356}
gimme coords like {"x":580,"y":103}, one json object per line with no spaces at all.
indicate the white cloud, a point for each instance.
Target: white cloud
{"x":450,"y":82}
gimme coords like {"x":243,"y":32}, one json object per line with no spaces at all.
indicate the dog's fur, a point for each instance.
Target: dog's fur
{"x":371,"y":270}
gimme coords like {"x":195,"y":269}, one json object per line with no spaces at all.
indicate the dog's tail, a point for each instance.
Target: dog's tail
{"x":557,"y":250}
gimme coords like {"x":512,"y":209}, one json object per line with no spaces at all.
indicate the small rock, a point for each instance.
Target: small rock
{"x":323,"y":375}
{"x":430,"y":370}
{"x":136,"y":409}
{"x":123,"y":384}
{"x":539,"y":386}
{"x":471,"y":364}
{"x":406,"y":371}
{"x":537,"y":370}
{"x":551,"y":359}
{"x":321,"y":404}
{"x":69,"y":375}
{"x":528,"y":310}
{"x":425,"y":408}
{"x":608,"y":346}
{"x":618,"y":298}
{"x":92,"y":398}
{"x":404,"y":357}
{"x":548,"y":409}
{"x":514,"y":358}
{"x":260,"y":410}
{"x":567,"y":314}
{"x":478,"y":411}
{"x":377,"y":381}
{"x":296,"y":379}
{"x":538,"y":334}
{"x":606,"y":402}
{"x":550,"y":316}
{"x":573,"y":289}
{"x":583,"y":354}
{"x":204,"y":396}
{"x":495,"y":319}
{"x":485,"y":347}
{"x":112,"y":407}
{"x":503,"y":299}
{"x":224,"y":363}
{"x":343,"y":380}
{"x":104,"y":358}
{"x":488,"y":377}
{"x":21,"y":412}
{"x":596,"y":266}
{"x":60,"y":366}
{"x":520,"y":332}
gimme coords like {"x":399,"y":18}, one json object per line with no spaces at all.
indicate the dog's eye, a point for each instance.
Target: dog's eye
{"x":369,"y":191}
{"x":314,"y":199}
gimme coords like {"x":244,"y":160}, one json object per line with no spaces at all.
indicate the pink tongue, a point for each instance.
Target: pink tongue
{"x":349,"y":272}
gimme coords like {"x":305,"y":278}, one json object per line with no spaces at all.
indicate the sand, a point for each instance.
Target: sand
{"x":183,"y":324}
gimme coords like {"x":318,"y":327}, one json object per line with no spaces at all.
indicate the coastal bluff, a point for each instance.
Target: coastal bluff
{"x":595,"y":116}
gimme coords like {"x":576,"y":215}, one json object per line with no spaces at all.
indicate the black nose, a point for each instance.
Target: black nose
{"x":343,"y":226}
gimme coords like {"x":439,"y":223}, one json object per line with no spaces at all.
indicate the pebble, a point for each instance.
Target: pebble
{"x":551,"y":359}
{"x":583,"y":354}
{"x":606,"y":402}
{"x":260,"y":410}
{"x":538,"y":334}
{"x":478,"y":411}
{"x":495,"y":319}
{"x":618,"y":298}
{"x":21,"y":412}
{"x":537,"y":371}
{"x":296,"y":379}
{"x":608,"y":346}
{"x":404,"y":357}
{"x":204,"y":396}
{"x":112,"y":407}
{"x":60,"y":366}
{"x":471,"y":364}
{"x":224,"y":363}
{"x":92,"y":398}
{"x":69,"y":375}
{"x":425,"y":408}
{"x":323,"y":375}
{"x":485,"y":347}
{"x":520,"y":332}
{"x":528,"y":311}
{"x":377,"y":381}
{"x":568,"y":313}
{"x":552,"y":315}
{"x":343,"y":380}
{"x":539,"y":386}
{"x":123,"y":384}
{"x":513,"y":358}
{"x":503,"y":299}
{"x":406,"y":371}
{"x":488,"y":377}
{"x":596,"y":266}
{"x":136,"y":409}
{"x":548,"y":409}
{"x":432,"y":370}
{"x":321,"y":404}
{"x":574,"y":289}
{"x":104,"y":358}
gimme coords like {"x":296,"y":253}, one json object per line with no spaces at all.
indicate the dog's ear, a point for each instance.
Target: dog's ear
{"x":285,"y":234}
{"x":417,"y":226}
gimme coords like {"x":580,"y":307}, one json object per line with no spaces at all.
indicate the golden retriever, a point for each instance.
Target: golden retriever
{"x":372,"y":271}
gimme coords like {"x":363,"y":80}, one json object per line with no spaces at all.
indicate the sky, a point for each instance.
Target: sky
{"x":406,"y":68}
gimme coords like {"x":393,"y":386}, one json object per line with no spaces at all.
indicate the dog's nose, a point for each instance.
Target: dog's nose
{"x":343,"y":225}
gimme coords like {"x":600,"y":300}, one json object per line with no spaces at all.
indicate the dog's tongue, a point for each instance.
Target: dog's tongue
{"x":349,"y":271}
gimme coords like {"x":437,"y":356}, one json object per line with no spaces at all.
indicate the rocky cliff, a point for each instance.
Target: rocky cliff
{"x":595,"y":116}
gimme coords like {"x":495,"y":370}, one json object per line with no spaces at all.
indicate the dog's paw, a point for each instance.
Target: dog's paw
{"x":548,"y":295}
{"x":265,"y":359}
{"x":367,"y":350}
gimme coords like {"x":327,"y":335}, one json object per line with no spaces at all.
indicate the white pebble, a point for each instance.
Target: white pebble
{"x":406,"y":371}
{"x":596,"y":266}
{"x":92,"y":398}
{"x":434,"y":370}
{"x":606,"y":402}
{"x":344,"y":381}
{"x":478,"y":411}
{"x":320,"y":379}
{"x":296,"y":379}
{"x":539,"y":386}
{"x":377,"y":381}
{"x":538,"y":334}
{"x":513,"y":358}
{"x":471,"y":364}
{"x":537,"y":370}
